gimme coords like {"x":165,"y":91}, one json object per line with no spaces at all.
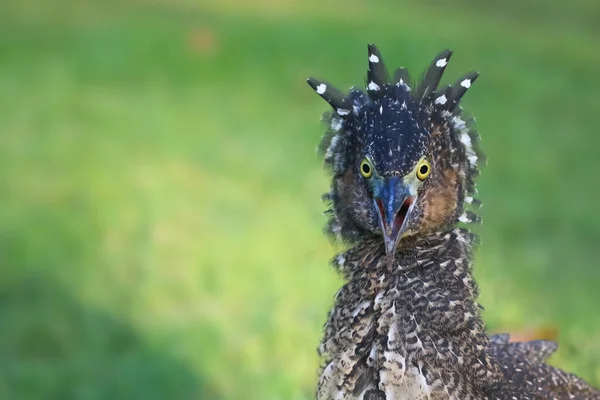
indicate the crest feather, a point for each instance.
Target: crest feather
{"x":377,"y":74}
{"x":433,"y":75}
{"x":335,"y":97}
{"x":460,"y":87}
{"x":402,"y":77}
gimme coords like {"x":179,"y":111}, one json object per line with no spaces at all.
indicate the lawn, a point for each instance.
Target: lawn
{"x":160,"y":222}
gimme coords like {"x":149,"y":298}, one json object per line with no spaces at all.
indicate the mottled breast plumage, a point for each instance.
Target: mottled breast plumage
{"x":395,"y":329}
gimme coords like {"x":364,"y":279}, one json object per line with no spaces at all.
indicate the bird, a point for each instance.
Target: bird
{"x":403,"y":157}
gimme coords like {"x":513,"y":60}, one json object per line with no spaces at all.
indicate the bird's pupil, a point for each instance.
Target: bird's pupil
{"x":366,"y":168}
{"x":423,"y":169}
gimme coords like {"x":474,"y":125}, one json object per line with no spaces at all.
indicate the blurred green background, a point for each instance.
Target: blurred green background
{"x":160,"y":222}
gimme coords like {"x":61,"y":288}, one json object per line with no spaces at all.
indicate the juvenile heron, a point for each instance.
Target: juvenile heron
{"x":407,"y":325}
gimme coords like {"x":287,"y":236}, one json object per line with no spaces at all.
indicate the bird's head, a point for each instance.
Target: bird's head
{"x":403,"y":156}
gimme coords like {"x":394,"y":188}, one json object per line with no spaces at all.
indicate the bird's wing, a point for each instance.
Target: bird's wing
{"x":527,"y":376}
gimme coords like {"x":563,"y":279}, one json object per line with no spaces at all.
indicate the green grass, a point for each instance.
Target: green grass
{"x":160,"y":226}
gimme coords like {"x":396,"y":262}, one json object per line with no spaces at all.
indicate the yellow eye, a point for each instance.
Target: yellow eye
{"x":423,"y":170}
{"x":366,"y":169}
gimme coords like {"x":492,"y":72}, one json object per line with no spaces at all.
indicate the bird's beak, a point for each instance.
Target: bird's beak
{"x":394,"y":203}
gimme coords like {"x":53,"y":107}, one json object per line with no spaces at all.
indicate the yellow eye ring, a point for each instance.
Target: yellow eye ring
{"x":423,"y":170}
{"x":366,"y":170}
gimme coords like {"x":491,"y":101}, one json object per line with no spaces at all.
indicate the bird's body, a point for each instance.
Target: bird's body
{"x":409,"y":329}
{"x":412,"y":330}
{"x":407,"y":325}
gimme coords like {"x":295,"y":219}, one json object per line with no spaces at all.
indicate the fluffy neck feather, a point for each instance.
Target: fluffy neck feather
{"x":408,"y":327}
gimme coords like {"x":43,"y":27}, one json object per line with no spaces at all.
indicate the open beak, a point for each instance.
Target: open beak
{"x":394,"y":203}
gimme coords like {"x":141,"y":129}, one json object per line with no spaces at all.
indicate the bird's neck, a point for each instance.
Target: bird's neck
{"x":407,"y":326}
